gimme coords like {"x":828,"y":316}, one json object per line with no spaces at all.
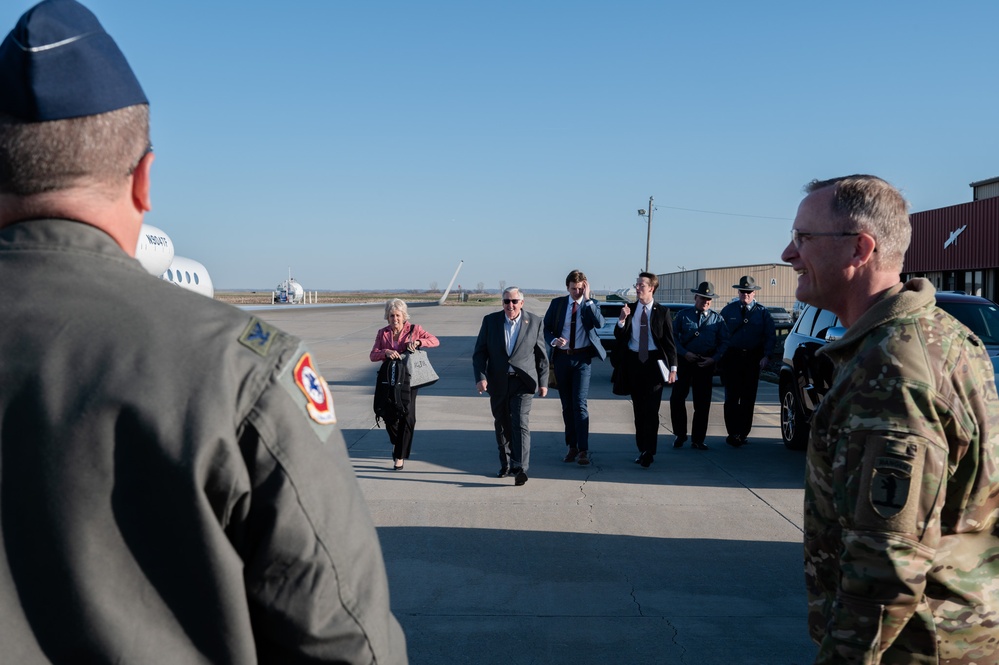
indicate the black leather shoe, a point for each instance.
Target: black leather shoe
{"x":584,"y":458}
{"x":646,"y":460}
{"x":699,"y":446}
{"x":679,"y":441}
{"x":503,"y":472}
{"x":521,"y":478}
{"x":571,"y":455}
{"x":734,"y":441}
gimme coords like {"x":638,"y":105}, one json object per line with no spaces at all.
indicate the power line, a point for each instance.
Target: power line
{"x":729,"y":214}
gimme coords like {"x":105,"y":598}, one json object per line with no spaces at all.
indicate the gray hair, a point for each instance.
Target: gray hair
{"x":872,"y":205}
{"x":103,"y":149}
{"x":395,"y":304}
{"x":511,"y":289}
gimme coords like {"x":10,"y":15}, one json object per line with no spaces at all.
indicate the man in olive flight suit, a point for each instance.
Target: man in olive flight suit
{"x":173,"y":484}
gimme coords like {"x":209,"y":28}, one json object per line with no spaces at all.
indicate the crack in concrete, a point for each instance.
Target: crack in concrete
{"x":634,"y":599}
{"x":594,"y":470}
{"x":675,"y":639}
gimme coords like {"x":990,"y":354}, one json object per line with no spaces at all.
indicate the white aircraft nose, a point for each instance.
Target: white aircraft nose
{"x":154,"y":250}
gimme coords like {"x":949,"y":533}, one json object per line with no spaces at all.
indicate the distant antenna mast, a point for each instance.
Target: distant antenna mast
{"x":448,"y":289}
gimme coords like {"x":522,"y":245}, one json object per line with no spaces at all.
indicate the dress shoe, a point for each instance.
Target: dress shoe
{"x":584,"y":458}
{"x":397,"y":464}
{"x":699,"y":445}
{"x":571,"y":455}
{"x":734,"y":441}
{"x":521,"y":478}
{"x":679,"y":441}
{"x":503,"y":472}
{"x":646,"y":460}
{"x":638,"y":460}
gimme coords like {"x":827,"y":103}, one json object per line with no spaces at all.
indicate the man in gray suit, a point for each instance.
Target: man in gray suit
{"x":511,"y":364}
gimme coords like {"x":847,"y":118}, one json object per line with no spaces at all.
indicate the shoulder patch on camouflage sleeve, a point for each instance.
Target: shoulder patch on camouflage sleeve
{"x":891,"y":483}
{"x":258,"y":336}
{"x":890,"y":487}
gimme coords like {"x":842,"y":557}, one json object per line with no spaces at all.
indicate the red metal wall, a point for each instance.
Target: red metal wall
{"x":976,"y":248}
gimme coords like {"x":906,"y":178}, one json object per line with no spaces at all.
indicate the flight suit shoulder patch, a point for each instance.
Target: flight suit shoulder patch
{"x":309,"y":390}
{"x":258,"y":336}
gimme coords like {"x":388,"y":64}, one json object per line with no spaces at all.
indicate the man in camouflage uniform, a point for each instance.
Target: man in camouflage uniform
{"x":902,"y":484}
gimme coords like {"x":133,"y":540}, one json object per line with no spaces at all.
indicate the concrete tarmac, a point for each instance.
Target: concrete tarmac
{"x":697,"y":559}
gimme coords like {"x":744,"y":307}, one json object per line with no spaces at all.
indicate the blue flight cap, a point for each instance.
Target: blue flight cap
{"x":59,"y":63}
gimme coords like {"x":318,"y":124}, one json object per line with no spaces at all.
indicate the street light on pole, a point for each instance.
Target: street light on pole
{"x":648,"y":235}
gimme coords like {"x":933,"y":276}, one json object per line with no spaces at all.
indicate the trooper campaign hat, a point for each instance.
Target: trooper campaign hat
{"x":59,"y":63}
{"x":705,"y":290}
{"x":746,"y":283}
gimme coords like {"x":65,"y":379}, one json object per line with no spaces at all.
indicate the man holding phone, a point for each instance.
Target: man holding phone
{"x":570,"y":326}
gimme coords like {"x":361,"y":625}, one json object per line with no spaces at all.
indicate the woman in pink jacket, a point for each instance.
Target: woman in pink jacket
{"x":390,"y":342}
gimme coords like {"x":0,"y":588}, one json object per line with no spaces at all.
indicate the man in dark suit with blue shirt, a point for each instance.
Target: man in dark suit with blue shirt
{"x":645,"y":352}
{"x":570,"y":326}
{"x":510,"y":362}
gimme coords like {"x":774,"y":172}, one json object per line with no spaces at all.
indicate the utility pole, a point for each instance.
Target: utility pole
{"x":648,"y":235}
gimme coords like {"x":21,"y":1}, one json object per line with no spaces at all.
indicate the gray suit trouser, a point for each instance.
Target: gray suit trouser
{"x":511,"y":418}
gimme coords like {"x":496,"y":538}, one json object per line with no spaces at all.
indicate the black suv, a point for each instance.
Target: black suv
{"x":805,"y":379}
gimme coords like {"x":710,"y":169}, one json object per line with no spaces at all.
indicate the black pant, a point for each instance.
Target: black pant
{"x":690,"y":376}
{"x":400,"y":430}
{"x":646,"y":384}
{"x":741,"y":374}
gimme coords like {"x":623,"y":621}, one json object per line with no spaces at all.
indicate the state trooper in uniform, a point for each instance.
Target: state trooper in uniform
{"x":752,"y":337}
{"x":175,"y":486}
{"x":701,"y":340}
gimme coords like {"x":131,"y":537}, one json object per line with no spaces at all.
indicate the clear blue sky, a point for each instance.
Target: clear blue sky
{"x":370,"y":144}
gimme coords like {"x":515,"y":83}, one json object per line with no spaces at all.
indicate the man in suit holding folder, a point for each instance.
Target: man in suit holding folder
{"x":571,"y":325}
{"x":511,"y":364}
{"x":644,"y":335}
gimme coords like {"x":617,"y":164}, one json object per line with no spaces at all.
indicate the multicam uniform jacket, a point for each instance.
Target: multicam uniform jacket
{"x":902,"y":491}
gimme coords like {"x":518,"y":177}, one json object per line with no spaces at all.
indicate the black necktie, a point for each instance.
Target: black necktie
{"x":743,"y":313}
{"x":572,"y":326}
{"x":643,"y":336}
